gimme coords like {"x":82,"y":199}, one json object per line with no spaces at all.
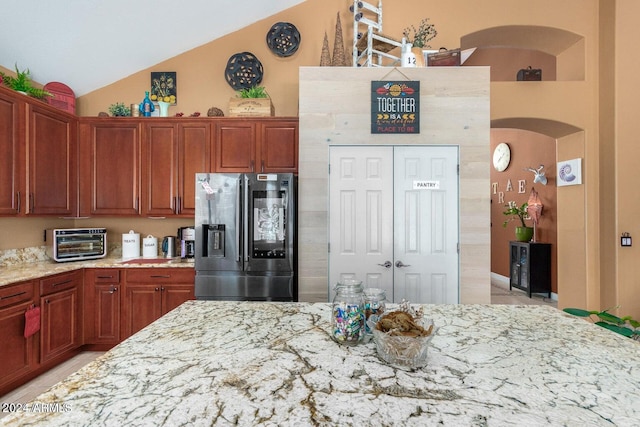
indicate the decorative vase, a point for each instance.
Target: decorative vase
{"x":164,"y":108}
{"x":524,"y":234}
{"x":408,"y":57}
{"x":417,"y":51}
{"x":146,"y":106}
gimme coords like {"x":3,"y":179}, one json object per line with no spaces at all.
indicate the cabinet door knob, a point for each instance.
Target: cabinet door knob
{"x":157,"y":289}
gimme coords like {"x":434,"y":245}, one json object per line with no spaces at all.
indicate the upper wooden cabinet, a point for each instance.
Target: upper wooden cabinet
{"x":52,"y":181}
{"x":12,"y":147}
{"x":173,"y":151}
{"x":256,"y":145}
{"x":110,"y":172}
{"x":47,"y":183}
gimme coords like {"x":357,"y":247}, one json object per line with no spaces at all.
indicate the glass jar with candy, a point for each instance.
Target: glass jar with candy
{"x":374,"y":306}
{"x":347,"y":318}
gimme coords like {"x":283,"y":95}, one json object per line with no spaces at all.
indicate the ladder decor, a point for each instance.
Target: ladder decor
{"x":370,"y":46}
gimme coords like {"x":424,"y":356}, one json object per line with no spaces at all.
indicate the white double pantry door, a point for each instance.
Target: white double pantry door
{"x":393,"y":220}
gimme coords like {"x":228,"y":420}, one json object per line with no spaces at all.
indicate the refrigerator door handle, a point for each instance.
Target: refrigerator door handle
{"x":246,"y":219}
{"x":238,"y":259}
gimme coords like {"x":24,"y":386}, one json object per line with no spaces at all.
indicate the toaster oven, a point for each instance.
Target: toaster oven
{"x":76,"y":244}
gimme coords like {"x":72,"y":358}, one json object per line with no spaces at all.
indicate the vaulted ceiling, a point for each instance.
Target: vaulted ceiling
{"x":88,"y":44}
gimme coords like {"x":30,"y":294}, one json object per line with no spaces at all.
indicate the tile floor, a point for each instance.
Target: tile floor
{"x":29,"y":391}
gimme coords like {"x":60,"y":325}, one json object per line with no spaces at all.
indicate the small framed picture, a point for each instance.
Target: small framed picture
{"x":569,"y":172}
{"x":164,"y":87}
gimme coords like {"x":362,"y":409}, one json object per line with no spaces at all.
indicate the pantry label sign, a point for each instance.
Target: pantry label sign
{"x":395,"y":107}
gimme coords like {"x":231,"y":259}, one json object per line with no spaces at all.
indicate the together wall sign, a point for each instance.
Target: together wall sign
{"x":395,"y":107}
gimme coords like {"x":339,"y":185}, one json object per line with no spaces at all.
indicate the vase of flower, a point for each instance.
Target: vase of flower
{"x":523,"y":232}
{"x":164,"y":108}
{"x":418,"y":39}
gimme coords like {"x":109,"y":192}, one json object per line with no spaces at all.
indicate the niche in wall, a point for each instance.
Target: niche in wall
{"x":559,"y":53}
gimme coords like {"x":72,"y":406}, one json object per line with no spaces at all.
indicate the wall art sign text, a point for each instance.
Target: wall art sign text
{"x":395,"y":107}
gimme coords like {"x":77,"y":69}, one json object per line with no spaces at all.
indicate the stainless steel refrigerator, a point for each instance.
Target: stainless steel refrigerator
{"x":245,"y":237}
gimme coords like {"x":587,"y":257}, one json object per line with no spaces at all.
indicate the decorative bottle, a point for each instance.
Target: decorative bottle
{"x":347,"y":314}
{"x":374,"y":306}
{"x":146,"y":106}
{"x":407,"y":56}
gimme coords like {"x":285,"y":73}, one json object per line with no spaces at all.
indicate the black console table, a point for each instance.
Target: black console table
{"x":530,"y":267}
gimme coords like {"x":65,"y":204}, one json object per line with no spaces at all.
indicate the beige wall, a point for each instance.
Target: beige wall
{"x":627,"y":153}
{"x":593,"y":271}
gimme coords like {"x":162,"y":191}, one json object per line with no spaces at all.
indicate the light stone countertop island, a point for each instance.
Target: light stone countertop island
{"x":245,"y":363}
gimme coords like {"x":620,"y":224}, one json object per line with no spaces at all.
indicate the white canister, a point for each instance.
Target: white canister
{"x":131,"y":245}
{"x":150,"y":247}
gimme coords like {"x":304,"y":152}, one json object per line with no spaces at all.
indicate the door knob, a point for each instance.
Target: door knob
{"x":399,"y":264}
{"x":387,"y":264}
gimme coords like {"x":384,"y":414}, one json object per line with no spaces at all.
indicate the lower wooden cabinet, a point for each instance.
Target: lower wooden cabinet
{"x":61,"y":314}
{"x":151,"y":293}
{"x":94,"y":307}
{"x":17,"y":353}
{"x":103,"y":292}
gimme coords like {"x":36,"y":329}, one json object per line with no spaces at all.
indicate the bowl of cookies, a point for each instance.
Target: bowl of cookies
{"x":402,"y":339}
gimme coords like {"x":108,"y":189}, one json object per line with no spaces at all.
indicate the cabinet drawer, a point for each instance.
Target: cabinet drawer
{"x":14,"y":294}
{"x":106,"y":275}
{"x":161,"y":275}
{"x":59,"y":282}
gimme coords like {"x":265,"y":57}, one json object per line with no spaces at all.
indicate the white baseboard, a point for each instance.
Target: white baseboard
{"x":503,"y":282}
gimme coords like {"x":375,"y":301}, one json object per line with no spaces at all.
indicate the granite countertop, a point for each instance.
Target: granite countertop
{"x":247,"y":363}
{"x":22,"y":271}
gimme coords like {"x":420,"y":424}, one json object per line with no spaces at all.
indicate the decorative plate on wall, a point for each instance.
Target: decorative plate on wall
{"x":283,"y":39}
{"x":243,"y":71}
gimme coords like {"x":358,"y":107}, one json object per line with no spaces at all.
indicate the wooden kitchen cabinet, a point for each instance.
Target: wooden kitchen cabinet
{"x":151,"y":292}
{"x":173,"y":151}
{"x":17,"y":353}
{"x":102,"y":307}
{"x":52,"y":151}
{"x":110,"y":166}
{"x":277,"y":146}
{"x":61,"y":312}
{"x":39,"y":162}
{"x":12,"y":147}
{"x":256,"y":145}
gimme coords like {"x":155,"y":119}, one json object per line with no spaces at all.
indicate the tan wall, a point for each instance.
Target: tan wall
{"x":28,"y":232}
{"x":627,"y":153}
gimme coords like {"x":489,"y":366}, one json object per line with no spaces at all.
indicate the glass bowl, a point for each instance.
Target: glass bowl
{"x":404,"y":351}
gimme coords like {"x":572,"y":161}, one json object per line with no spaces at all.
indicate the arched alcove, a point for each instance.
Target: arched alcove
{"x":566,"y":142}
{"x":559,"y":53}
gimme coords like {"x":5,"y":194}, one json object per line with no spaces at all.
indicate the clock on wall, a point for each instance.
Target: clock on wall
{"x":501,"y":156}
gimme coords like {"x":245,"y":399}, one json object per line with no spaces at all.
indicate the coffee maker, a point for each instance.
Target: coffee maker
{"x":187,"y":241}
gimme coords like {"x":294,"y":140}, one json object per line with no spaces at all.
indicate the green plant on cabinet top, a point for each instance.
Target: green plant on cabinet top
{"x":22,"y":83}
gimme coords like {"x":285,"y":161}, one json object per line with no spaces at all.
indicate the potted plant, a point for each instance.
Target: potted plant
{"x":22,"y":83}
{"x":119,"y":110}
{"x":626,"y":325}
{"x":252,"y":101}
{"x":524,"y":233}
{"x":418,"y":37}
